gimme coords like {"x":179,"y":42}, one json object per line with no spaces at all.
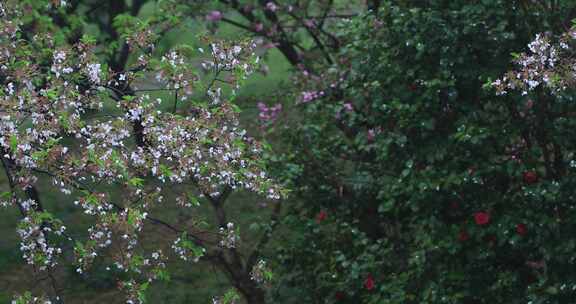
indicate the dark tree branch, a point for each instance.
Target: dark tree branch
{"x":283,"y":43}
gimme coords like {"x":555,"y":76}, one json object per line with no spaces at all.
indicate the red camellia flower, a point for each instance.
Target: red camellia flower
{"x":369,"y":282}
{"x":321,"y":216}
{"x":340,"y":295}
{"x":530,"y":177}
{"x":482,"y":218}
{"x":521,"y":229}
{"x":463,"y":236}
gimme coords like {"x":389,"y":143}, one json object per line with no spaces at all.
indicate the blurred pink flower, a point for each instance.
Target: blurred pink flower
{"x":371,"y":134}
{"x":271,"y":6}
{"x":308,"y":96}
{"x":214,"y":16}
{"x":269,"y":114}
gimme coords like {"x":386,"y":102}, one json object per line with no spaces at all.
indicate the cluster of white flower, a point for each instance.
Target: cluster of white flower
{"x":545,"y":65}
{"x":58,"y":64}
{"x":36,"y":249}
{"x":230,"y":237}
{"x":215,"y":95}
{"x":178,"y":75}
{"x":157,"y":261}
{"x":5,"y":203}
{"x":94,"y":70}
{"x":101,"y":234}
{"x":29,"y":299}
{"x":184,"y":148}
{"x":258,"y":273}
{"x":179,"y":250}
{"x":93,"y":206}
{"x":182,"y":248}
{"x":233,"y":58}
{"x":107,"y":134}
{"x":224,"y":59}
{"x":10,"y":89}
{"x":132,"y":289}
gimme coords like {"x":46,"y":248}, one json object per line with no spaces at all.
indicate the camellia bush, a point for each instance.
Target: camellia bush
{"x":423,"y":171}
{"x":88,"y":120}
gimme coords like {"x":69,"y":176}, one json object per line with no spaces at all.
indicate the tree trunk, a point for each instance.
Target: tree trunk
{"x":252,"y":294}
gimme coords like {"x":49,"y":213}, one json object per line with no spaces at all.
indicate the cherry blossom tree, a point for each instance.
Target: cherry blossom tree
{"x":89,"y":123}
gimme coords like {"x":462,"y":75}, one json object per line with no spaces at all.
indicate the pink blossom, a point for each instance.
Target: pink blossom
{"x":371,"y":135}
{"x":271,"y":6}
{"x":308,"y":96}
{"x":214,"y":16}
{"x":347,"y":107}
{"x":269,"y":114}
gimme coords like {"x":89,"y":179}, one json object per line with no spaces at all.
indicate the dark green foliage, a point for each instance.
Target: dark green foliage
{"x":427,"y":181}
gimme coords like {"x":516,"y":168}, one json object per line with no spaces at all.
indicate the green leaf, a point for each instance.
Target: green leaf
{"x":136,"y":182}
{"x":13,"y":143}
{"x":230,"y":297}
{"x":142,"y":292}
{"x":165,"y":170}
{"x":235,"y":108}
{"x":6,"y":195}
{"x":88,"y":39}
{"x":193,"y":199}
